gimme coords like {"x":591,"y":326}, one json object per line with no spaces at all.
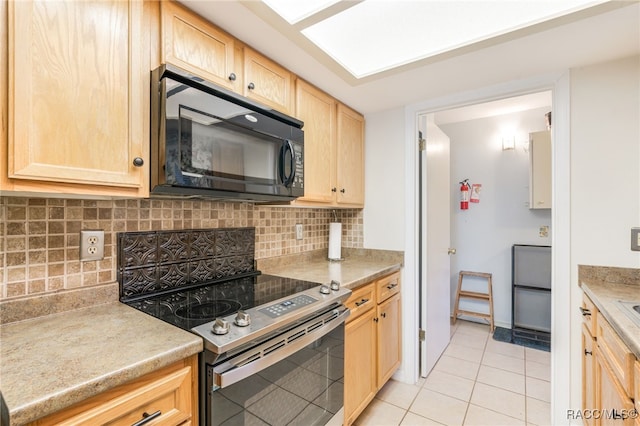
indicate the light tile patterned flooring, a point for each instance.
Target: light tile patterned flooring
{"x":477,"y":381}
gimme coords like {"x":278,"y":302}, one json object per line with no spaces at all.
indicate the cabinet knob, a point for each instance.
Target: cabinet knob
{"x":138,"y":162}
{"x":586,"y":352}
{"x":232,"y":76}
{"x":342,"y":190}
{"x":376,"y":319}
{"x":334,"y":189}
{"x":251,"y":86}
{"x":383,"y":315}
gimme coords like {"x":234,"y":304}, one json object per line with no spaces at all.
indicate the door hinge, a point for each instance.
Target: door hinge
{"x":422,"y":335}
{"x":422,"y":144}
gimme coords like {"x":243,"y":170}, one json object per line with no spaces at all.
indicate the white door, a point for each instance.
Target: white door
{"x":434,"y":259}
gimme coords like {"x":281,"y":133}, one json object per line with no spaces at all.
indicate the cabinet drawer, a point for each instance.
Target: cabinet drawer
{"x":361,"y":300}
{"x":387,"y":286}
{"x":166,"y":394}
{"x":589,"y":312}
{"x":619,"y":357}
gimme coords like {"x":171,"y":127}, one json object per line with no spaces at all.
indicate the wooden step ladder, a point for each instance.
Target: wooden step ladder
{"x":464,"y":294}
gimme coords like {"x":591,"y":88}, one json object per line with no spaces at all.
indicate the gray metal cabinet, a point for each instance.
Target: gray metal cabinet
{"x":531,"y":292}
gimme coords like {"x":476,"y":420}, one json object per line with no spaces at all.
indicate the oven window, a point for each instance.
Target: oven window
{"x":305,"y":388}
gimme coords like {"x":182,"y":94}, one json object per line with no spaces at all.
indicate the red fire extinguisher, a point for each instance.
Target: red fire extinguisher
{"x":464,"y":194}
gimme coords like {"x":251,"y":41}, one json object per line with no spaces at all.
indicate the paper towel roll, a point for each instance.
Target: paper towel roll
{"x":335,"y":240}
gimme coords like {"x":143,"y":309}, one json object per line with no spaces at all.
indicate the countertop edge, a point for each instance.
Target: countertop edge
{"x":372,"y":277}
{"x":623,"y":331}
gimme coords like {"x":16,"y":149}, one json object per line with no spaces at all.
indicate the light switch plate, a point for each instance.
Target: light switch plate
{"x":635,"y":239}
{"x":298,"y":231}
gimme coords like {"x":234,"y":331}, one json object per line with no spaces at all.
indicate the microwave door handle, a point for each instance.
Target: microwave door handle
{"x":281,"y":163}
{"x":292,"y":164}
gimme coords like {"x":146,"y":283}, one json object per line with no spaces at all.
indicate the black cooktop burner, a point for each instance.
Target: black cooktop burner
{"x":209,"y":310}
{"x":193,"y":307}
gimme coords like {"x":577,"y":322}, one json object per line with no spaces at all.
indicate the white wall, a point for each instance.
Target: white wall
{"x":605,"y":177}
{"x":484,"y":234}
{"x":384,"y":212}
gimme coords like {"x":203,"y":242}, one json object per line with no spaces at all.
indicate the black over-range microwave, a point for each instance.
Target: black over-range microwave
{"x":208,"y":142}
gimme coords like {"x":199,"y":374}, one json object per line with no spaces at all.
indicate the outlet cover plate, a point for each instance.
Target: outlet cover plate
{"x":635,"y":239}
{"x":91,"y":244}
{"x":299,"y":231}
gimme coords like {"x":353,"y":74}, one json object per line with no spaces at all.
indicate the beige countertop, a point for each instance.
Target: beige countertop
{"x":605,"y":287}
{"x":358,"y":267}
{"x":51,"y":362}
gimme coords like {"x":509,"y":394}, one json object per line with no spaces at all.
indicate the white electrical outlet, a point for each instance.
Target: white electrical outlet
{"x":298,"y":231}
{"x":91,"y":244}
{"x":635,"y":239}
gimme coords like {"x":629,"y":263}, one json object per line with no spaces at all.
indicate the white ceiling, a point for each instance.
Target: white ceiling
{"x":600,"y":33}
{"x":371,"y":36}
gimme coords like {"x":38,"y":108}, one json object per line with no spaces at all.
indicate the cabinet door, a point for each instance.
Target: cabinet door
{"x":588,"y":374}
{"x":267,"y":82}
{"x":611,"y":398}
{"x":389,"y":343}
{"x":78,"y":97}
{"x":359,"y":365}
{"x":318,"y":111}
{"x":540,"y":170}
{"x":197,"y":46}
{"x":350,"y":157}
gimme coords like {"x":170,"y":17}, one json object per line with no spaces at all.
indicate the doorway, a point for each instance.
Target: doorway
{"x":483,"y":235}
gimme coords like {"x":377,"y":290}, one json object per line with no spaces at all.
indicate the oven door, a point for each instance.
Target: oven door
{"x":293,"y":378}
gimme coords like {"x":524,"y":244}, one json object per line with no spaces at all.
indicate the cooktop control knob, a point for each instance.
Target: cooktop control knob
{"x":220,"y":326}
{"x":324,"y":289}
{"x":242,"y":319}
{"x":335,"y":285}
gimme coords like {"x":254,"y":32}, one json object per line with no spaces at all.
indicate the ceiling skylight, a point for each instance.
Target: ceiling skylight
{"x":296,"y":10}
{"x":372,"y":36}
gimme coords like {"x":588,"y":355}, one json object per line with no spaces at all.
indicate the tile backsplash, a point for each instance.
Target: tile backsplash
{"x":39,"y":237}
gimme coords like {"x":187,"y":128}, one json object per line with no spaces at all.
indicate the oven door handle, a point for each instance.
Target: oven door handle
{"x":229,"y":373}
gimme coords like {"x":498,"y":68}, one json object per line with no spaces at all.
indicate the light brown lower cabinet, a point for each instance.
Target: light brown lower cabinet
{"x":588,"y":374}
{"x":607,"y":373}
{"x":170,"y":395}
{"x":611,"y":398}
{"x":372,"y":342}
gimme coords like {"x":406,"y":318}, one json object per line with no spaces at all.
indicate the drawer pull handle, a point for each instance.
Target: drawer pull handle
{"x":376,"y":319}
{"x":391,"y":286}
{"x":383,"y":315}
{"x":585,"y":312}
{"x":586,"y":352}
{"x":362,"y":302}
{"x":146,"y":418}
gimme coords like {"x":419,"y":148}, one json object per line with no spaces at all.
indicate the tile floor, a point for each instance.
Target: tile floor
{"x":477,"y":381}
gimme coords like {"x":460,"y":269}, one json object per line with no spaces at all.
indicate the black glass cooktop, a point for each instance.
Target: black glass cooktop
{"x":191,"y":308}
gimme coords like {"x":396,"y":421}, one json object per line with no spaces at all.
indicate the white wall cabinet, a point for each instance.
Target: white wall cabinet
{"x":540,"y":170}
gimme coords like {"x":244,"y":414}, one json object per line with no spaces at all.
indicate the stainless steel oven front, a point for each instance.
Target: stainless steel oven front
{"x":292,"y":376}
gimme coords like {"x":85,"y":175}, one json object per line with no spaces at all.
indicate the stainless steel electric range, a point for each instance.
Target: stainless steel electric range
{"x":274,"y":347}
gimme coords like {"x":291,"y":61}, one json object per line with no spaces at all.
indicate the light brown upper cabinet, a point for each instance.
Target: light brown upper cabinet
{"x":267,"y":82}
{"x":195,"y":45}
{"x":333,"y":150}
{"x":318,"y":111}
{"x":78,"y":98}
{"x":350,"y":158}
